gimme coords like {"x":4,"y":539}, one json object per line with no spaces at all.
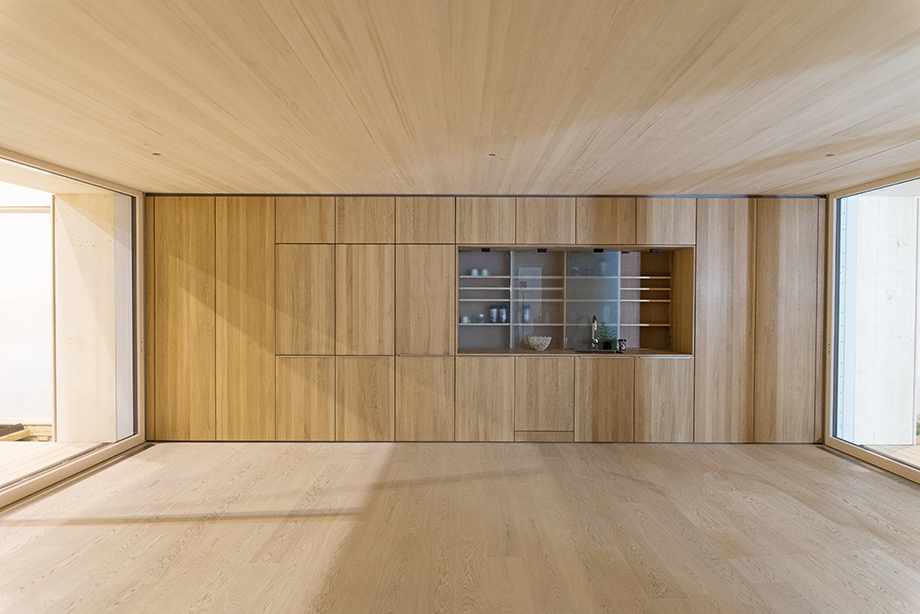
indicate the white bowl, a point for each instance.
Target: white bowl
{"x":538,"y":343}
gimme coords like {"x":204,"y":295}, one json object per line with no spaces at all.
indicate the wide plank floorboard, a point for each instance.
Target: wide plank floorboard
{"x":467,"y":527}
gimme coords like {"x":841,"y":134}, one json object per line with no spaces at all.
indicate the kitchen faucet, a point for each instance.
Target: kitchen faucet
{"x":594,"y":332}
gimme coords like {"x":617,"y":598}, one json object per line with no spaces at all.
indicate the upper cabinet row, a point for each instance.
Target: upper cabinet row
{"x":500,"y":220}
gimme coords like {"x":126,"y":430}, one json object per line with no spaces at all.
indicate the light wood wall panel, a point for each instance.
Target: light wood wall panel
{"x":84,"y":318}
{"x":426,"y":303}
{"x":305,"y":219}
{"x":724,"y":374}
{"x":424,"y":398}
{"x":365,"y":219}
{"x":786,"y":316}
{"x":604,"y":399}
{"x":544,"y":393}
{"x":365,"y":398}
{"x":605,"y":221}
{"x":485,"y":398}
{"x":150,"y":397}
{"x":425,"y":219}
{"x":485,"y":220}
{"x":365,"y":298}
{"x":664,"y":399}
{"x":545,"y":220}
{"x":305,"y":398}
{"x":184,"y":300}
{"x":245,"y":307}
{"x":305,"y":299}
{"x":665,"y":221}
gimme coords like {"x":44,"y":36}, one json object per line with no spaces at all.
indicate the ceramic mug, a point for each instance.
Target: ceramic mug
{"x":465,"y":320}
{"x":475,"y":272}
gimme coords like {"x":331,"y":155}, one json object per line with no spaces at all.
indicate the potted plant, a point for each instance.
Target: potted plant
{"x":605,"y":337}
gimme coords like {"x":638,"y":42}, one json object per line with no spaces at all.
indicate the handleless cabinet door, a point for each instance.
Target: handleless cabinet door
{"x":305,"y":299}
{"x":365,"y":398}
{"x":245,"y":259}
{"x":485,"y":220}
{"x":425,"y":219}
{"x":664,"y":399}
{"x":665,"y":221}
{"x":184,"y":301}
{"x":605,"y":221}
{"x":305,"y":219}
{"x":485,"y":398}
{"x":365,"y":219}
{"x":365,"y":299}
{"x":544,"y":394}
{"x":604,"y":398}
{"x":546,"y":221}
{"x":305,"y":398}
{"x":424,"y":398}
{"x":425,"y":303}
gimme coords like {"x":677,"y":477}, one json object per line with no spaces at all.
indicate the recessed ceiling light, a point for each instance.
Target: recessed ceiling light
{"x":156,"y":153}
{"x":829,"y":155}
{"x":491,"y":155}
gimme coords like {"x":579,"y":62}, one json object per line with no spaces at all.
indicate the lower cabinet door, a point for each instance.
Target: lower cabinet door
{"x":305,"y":398}
{"x":485,"y":398}
{"x":365,"y":398}
{"x":604,"y":399}
{"x":664,"y":399}
{"x":544,"y":394}
{"x":424,"y":398}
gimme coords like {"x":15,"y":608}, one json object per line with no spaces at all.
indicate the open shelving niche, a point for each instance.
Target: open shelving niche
{"x":555,"y":292}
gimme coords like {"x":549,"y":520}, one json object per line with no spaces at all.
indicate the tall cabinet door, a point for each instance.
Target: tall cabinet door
{"x":485,"y":398}
{"x":183,"y":244}
{"x":789,"y":242}
{"x":305,"y":299}
{"x":664,"y":399}
{"x":245,"y":262}
{"x":724,"y":390}
{"x":604,"y":399}
{"x":365,"y":300}
{"x":425,"y":303}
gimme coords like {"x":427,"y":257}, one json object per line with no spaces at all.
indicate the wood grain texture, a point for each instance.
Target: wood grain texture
{"x":604,"y":399}
{"x":785,"y":320}
{"x":820,"y":328}
{"x":365,"y":398}
{"x":411,"y":98}
{"x":545,"y":436}
{"x":683,"y":272}
{"x":84,"y":318}
{"x":605,"y":221}
{"x":305,"y":398}
{"x":426,"y":299}
{"x":245,"y":323}
{"x":416,"y":527}
{"x":424,"y":398}
{"x":664,"y":399}
{"x":305,"y":299}
{"x":545,"y":220}
{"x":426,"y":219}
{"x":305,"y":219}
{"x":665,"y":221}
{"x":150,"y":411}
{"x":365,"y":282}
{"x":484,"y":220}
{"x":485,"y":398}
{"x":724,"y":347}
{"x":184,"y":303}
{"x":365,"y":219}
{"x":544,"y":393}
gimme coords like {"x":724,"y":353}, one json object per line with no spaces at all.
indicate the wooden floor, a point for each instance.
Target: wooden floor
{"x":909,"y":455}
{"x":21,"y":458}
{"x":406,"y":528}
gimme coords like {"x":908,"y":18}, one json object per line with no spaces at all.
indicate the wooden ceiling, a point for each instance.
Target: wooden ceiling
{"x":413,"y":96}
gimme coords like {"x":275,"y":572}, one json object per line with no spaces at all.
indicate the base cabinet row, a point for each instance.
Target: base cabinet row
{"x":484,"y":398}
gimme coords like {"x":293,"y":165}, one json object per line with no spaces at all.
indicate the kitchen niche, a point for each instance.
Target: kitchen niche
{"x":644,"y":296}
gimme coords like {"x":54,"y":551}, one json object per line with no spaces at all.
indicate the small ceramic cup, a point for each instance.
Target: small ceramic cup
{"x":485,"y":272}
{"x":465,"y":320}
{"x":475,"y":272}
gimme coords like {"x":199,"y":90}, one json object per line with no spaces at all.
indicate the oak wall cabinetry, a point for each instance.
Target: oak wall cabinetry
{"x":301,"y":318}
